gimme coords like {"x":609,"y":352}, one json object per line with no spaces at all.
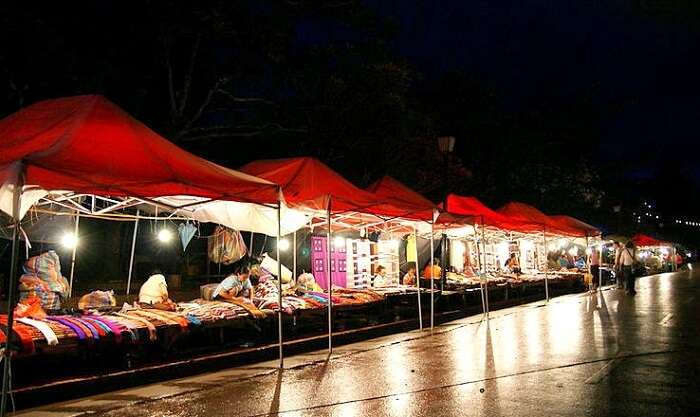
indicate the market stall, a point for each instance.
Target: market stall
{"x":341,"y":209}
{"x":468,"y":221}
{"x":87,"y":155}
{"x":657,"y":255}
{"x":407,"y":208}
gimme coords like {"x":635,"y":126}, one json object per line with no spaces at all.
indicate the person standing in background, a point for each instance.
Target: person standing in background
{"x":594,"y":266}
{"x":617,"y":266}
{"x":626,"y":263}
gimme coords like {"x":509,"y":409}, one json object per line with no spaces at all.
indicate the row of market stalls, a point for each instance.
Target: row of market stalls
{"x":654,"y":254}
{"x":83,"y":157}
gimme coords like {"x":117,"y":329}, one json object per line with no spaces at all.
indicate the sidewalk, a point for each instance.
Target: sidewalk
{"x":587,"y":354}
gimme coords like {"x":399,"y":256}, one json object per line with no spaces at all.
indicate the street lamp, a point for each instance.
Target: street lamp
{"x":446,"y":145}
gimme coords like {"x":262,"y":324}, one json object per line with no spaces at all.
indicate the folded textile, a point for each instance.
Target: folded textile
{"x":25,"y":336}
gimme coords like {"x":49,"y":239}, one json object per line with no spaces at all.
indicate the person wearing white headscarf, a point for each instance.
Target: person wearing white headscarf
{"x":154,"y":292}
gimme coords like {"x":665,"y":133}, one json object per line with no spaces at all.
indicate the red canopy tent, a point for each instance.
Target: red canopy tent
{"x":311,"y":184}
{"x":400,"y":201}
{"x":585,"y":229}
{"x":642,"y":240}
{"x":535,"y":221}
{"x":461,"y":208}
{"x":86,"y":144}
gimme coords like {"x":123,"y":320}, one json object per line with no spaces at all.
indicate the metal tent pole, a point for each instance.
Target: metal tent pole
{"x":432,"y":276}
{"x":600,"y":262}
{"x":11,"y":290}
{"x":133,"y":249}
{"x":294,"y":255}
{"x":420,"y":308}
{"x":279,"y":281}
{"x":329,"y":235}
{"x":486,"y":277}
{"x":546,"y":265}
{"x":588,"y":262}
{"x":72,"y":259}
{"x":481,"y":269}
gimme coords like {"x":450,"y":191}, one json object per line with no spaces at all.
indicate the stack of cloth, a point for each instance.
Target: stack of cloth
{"x":212,"y":311}
{"x":52,"y":330}
{"x":357,"y":296}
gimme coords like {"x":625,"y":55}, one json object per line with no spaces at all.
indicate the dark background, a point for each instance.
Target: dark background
{"x":583,"y":107}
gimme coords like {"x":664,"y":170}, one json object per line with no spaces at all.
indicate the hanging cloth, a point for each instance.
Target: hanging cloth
{"x":186,"y":232}
{"x":411,"y":249}
{"x":226,"y":246}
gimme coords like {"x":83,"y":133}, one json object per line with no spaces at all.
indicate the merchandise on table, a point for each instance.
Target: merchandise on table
{"x":42,"y":278}
{"x":97,"y":300}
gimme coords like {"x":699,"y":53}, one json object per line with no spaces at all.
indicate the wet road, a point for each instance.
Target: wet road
{"x":588,"y":354}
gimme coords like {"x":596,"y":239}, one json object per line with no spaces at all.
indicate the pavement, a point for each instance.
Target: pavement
{"x":602,"y":353}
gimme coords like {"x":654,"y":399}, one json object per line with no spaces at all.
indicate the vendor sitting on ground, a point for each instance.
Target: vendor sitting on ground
{"x":154,"y":293}
{"x":379,"y":279}
{"x":235,"y":287}
{"x":410,"y":277}
{"x":513,"y":265}
{"x":433,"y":271}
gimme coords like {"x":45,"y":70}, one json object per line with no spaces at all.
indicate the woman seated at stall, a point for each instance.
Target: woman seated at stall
{"x":235,"y":287}
{"x":410,"y":277}
{"x":379,"y":279}
{"x":513,"y":265}
{"x":433,"y":271}
{"x":154,"y":293}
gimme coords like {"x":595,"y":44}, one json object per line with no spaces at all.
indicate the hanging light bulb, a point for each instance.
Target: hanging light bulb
{"x":284,"y":245}
{"x":69,"y":240}
{"x":165,"y":235}
{"x":339,"y":242}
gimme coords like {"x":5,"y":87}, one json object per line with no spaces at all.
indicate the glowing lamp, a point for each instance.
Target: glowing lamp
{"x":283,"y":245}
{"x":69,"y":240}
{"x":165,"y":235}
{"x":339,"y":242}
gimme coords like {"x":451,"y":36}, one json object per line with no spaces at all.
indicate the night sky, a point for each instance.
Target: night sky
{"x":628,"y":69}
{"x":645,"y":59}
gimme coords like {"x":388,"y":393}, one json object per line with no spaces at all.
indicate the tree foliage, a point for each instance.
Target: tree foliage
{"x":241,"y":80}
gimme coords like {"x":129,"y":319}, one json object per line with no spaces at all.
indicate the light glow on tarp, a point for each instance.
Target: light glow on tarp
{"x":69,"y":240}
{"x":165,"y":235}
